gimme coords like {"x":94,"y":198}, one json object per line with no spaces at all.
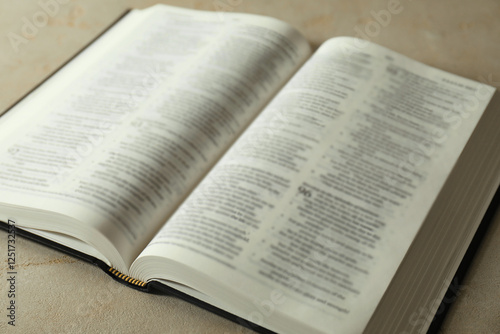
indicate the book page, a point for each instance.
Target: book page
{"x":121,"y":135}
{"x":321,"y":197}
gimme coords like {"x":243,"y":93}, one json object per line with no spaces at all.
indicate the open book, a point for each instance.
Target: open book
{"x":333,"y":192}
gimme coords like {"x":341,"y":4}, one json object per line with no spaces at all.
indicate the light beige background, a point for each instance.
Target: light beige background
{"x":58,"y":294}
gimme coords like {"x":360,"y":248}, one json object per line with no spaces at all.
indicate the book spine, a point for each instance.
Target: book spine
{"x":128,"y":279}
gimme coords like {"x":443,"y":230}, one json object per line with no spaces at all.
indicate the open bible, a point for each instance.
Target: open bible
{"x":218,"y":158}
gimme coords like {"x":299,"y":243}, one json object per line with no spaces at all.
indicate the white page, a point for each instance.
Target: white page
{"x":140,"y":120}
{"x":321,"y":197}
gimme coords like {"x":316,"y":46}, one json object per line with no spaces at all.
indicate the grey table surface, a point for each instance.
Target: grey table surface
{"x":59,"y":294}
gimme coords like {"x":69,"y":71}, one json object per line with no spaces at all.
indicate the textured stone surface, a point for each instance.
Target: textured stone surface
{"x":58,"y":294}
